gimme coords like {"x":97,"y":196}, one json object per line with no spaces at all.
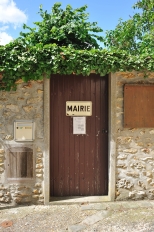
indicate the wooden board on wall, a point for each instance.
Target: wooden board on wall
{"x":19,"y":162}
{"x":138,"y":106}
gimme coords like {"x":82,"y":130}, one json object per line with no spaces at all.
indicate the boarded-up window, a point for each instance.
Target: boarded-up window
{"x":138,"y":106}
{"x":20,"y":162}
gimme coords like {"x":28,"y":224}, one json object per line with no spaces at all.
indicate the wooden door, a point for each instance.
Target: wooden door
{"x":79,"y":163}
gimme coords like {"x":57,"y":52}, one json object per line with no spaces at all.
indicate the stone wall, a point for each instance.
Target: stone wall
{"x":135,"y":148}
{"x":24,"y":104}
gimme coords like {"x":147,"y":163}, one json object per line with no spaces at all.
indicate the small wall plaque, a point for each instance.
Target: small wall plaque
{"x":24,"y":130}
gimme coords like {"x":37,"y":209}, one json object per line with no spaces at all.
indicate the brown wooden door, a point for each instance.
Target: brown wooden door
{"x":79,"y":163}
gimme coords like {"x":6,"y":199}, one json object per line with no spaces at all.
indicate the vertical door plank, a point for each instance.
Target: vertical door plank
{"x":91,"y":139}
{"x":87,"y":147}
{"x":97,"y":134}
{"x":52,"y":93}
{"x":104,"y":136}
{"x":77,"y":156}
{"x":61,"y":105}
{"x":72,"y":140}
{"x":66,"y":131}
{"x":82,"y":180}
{"x":55,"y":136}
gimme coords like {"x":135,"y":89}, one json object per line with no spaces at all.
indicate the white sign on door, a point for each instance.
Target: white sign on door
{"x":78,"y":108}
{"x":79,"y":125}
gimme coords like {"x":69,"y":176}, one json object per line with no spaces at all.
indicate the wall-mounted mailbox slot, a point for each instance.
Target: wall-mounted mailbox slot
{"x":24,"y":130}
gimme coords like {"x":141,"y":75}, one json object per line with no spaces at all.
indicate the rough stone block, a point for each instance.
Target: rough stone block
{"x":39,"y":175}
{"x":2,"y":151}
{"x":37,"y":116}
{"x":121,"y":165}
{"x":3,"y":99}
{"x":152,"y":183}
{"x":133,"y":174}
{"x":132,"y":194}
{"x":3,"y":188}
{"x":147,"y":158}
{"x":123,"y":183}
{"x":28,"y":108}
{"x":41,"y":201}
{"x":38,"y":160}
{"x":39,"y":170}
{"x":35,"y":191}
{"x":124,"y":194}
{"x":122,"y":156}
{"x":35,"y":196}
{"x":2,"y":199}
{"x":151,"y":191}
{"x":1,"y":194}
{"x":1,"y":169}
{"x":40,"y":155}
{"x":141,"y":194}
{"x":40,"y":190}
{"x":39,"y":166}
{"x":34,"y":100}
{"x":150,"y":196}
{"x":8,"y":137}
{"x":7,"y":114}
{"x":124,"y":140}
{"x":144,"y":172}
{"x":12,"y":107}
{"x":38,"y":149}
{"x":140,"y":144}
{"x":131,"y":150}
{"x":40,"y":91}
{"x":20,"y":81}
{"x":138,"y":165}
{"x":28,"y":86}
{"x":149,"y":174}
{"x":142,"y":132}
{"x":151,"y":132}
{"x":146,"y":150}
{"x":18,"y":200}
{"x":37,"y":185}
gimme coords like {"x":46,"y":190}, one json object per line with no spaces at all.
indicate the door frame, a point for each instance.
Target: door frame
{"x":111,"y":147}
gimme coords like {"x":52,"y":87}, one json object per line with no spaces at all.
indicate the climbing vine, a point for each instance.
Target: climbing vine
{"x":47,"y":49}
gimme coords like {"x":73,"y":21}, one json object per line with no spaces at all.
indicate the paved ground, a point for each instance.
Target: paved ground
{"x":134,"y":216}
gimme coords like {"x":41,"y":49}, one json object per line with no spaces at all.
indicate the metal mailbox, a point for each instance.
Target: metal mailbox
{"x":24,"y":130}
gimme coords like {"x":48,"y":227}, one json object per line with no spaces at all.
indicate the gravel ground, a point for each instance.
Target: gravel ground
{"x":84,"y":217}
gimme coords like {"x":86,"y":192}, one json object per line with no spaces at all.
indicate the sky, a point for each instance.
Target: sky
{"x":14,"y":13}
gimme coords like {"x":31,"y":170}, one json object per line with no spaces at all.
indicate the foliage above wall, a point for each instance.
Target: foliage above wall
{"x":136,"y":35}
{"x":64,"y":42}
